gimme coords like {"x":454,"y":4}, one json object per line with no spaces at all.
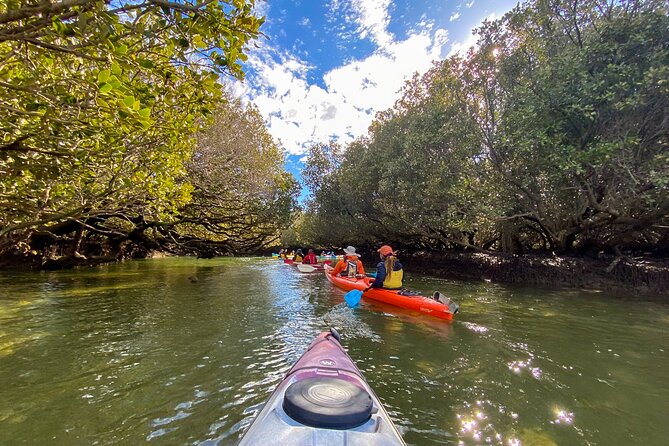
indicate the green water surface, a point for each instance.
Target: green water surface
{"x":180,"y":351}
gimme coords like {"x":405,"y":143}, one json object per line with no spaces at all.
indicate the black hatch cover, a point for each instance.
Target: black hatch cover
{"x":330,"y":403}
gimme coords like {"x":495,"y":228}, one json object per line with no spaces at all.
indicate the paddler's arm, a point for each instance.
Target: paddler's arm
{"x":380,"y":276}
{"x":338,"y":268}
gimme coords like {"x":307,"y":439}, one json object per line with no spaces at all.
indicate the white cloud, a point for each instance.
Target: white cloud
{"x":470,"y":4}
{"x":299,"y":114}
{"x":454,"y":16}
{"x":261,"y":8}
{"x":371,"y":18}
{"x":342,"y":105}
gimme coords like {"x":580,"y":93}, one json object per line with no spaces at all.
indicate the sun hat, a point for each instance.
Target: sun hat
{"x":386,"y":250}
{"x":350,"y":250}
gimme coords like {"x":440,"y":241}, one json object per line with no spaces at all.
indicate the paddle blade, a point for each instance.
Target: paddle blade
{"x":353,"y":297}
{"x":305,"y":268}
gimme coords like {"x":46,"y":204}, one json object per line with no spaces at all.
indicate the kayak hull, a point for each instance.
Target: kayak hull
{"x":326,"y":360}
{"x":421,"y":304}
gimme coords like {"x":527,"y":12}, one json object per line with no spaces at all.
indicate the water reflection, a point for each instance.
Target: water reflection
{"x":141,"y":353}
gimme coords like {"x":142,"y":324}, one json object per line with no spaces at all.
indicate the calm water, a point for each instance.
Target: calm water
{"x":140,"y":353}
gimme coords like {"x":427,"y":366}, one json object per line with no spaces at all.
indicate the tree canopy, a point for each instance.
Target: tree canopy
{"x":102,"y":102}
{"x":550,"y":135}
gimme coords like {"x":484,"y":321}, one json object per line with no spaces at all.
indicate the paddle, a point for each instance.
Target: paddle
{"x":306,"y":268}
{"x":353,"y":297}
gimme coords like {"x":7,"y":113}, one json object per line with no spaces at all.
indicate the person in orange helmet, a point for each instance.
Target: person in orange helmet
{"x":389,"y":271}
{"x":350,"y":265}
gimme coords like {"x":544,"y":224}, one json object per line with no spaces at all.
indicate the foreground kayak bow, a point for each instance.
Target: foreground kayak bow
{"x":324,"y":400}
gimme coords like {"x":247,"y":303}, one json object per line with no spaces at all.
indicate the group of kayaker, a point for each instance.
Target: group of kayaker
{"x":299,"y":257}
{"x":389,"y":271}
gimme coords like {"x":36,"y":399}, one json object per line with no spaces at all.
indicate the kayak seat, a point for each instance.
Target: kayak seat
{"x":330,"y":403}
{"x":404,"y":292}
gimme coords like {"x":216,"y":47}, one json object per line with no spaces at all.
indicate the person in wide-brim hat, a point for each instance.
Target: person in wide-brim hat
{"x":350,"y":265}
{"x":350,"y":251}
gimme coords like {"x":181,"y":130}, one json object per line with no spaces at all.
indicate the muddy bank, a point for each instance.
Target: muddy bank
{"x":647,"y":276}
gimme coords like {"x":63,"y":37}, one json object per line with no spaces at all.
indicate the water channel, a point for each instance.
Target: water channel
{"x":179,"y":351}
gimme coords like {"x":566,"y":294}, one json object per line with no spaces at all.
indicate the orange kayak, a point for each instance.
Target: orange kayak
{"x":419,"y":303}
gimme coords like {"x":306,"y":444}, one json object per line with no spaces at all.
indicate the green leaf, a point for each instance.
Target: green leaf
{"x":103,"y":76}
{"x":105,"y":88}
{"x":129,"y":101}
{"x":145,"y":63}
{"x":122,"y":49}
{"x":145,"y":112}
{"x":115,"y":68}
{"x":198,"y":42}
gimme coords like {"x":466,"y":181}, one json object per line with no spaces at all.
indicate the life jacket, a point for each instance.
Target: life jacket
{"x":394,"y":281}
{"x":351,"y":269}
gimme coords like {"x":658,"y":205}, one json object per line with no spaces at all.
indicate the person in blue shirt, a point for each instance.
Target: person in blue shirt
{"x":389,"y":272}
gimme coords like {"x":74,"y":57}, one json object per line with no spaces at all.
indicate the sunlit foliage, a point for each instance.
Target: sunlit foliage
{"x":101,"y":102}
{"x":551,"y":135}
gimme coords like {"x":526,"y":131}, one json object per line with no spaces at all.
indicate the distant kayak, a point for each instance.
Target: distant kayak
{"x":330,"y":258}
{"x":323,"y":400}
{"x":398,"y":298}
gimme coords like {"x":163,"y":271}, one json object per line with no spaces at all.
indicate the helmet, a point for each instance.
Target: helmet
{"x":386,"y":250}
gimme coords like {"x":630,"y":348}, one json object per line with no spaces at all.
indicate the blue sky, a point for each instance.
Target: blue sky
{"x":326,"y":67}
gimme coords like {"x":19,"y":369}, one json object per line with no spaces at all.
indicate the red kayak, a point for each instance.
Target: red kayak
{"x":324,"y":400}
{"x":398,"y":298}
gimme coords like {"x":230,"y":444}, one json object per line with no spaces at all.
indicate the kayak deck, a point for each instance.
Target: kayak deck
{"x":323,"y":401}
{"x":419,"y":303}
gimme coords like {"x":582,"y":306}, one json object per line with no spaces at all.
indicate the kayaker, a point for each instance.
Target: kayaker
{"x":298,"y":256}
{"x":310,"y":258}
{"x":389,"y":272}
{"x":282,"y":253}
{"x":350,"y":265}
